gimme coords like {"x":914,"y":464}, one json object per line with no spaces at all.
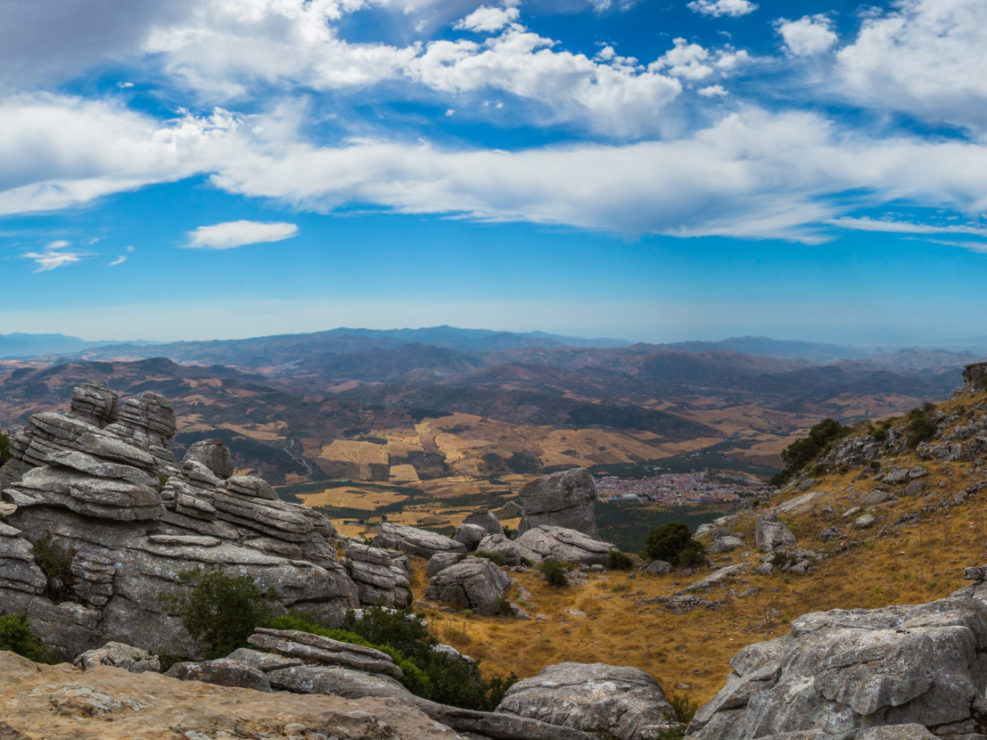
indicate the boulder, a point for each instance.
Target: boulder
{"x":324,"y":650}
{"x":565,"y":499}
{"x":622,"y":701}
{"x":378,"y":574}
{"x":864,"y":521}
{"x":657,"y":568}
{"x":498,"y":725}
{"x":118,"y":655}
{"x":470,"y":535}
{"x":720,"y":545}
{"x":473,"y":583}
{"x":336,"y":681}
{"x":440,"y":561}
{"x":413,"y":541}
{"x":213,"y":454}
{"x":839,"y":672}
{"x":546,"y":542}
{"x":222,"y":672}
{"x":500,"y":544}
{"x":770,"y":532}
{"x":486,"y":519}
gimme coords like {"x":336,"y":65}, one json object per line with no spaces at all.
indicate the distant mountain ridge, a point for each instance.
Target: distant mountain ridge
{"x":34,"y":345}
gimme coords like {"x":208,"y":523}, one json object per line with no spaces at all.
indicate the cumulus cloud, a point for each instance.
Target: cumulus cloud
{"x":54,"y":255}
{"x":486,"y":19}
{"x":809,"y":35}
{"x":239,"y":233}
{"x":923,"y":57}
{"x":718,"y":8}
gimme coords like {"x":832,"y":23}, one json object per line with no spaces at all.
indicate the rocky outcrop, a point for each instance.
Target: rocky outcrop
{"x":624,"y":702}
{"x":974,"y":377}
{"x":323,"y":650}
{"x":473,"y":583}
{"x":770,"y":532}
{"x":42,"y":701}
{"x":99,"y":488}
{"x":378,"y":574}
{"x":413,"y":541}
{"x":470,"y":535}
{"x":440,"y":561}
{"x":213,"y":454}
{"x":118,"y":655}
{"x":222,"y":672}
{"x":485,"y":519}
{"x":546,"y":542}
{"x":500,"y":544}
{"x":564,"y":499}
{"x":846,"y":673}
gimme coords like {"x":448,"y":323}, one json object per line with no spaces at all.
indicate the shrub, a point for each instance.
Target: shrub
{"x":55,"y":561}
{"x":673,"y":542}
{"x":495,"y":557}
{"x":920,"y":426}
{"x":554,"y":572}
{"x":219,"y":611}
{"x":16,"y":635}
{"x":5,"y":453}
{"x":509,"y":533}
{"x":803,"y":451}
{"x":617,"y":560}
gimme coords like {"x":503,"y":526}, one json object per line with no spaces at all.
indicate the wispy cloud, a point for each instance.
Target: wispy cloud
{"x":718,"y":8}
{"x":54,"y":255}
{"x":907,"y":227}
{"x":239,"y":233}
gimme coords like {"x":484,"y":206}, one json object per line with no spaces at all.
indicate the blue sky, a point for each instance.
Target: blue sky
{"x":656,"y":170}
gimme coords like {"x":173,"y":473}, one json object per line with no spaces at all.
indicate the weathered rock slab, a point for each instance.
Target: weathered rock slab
{"x":565,"y":499}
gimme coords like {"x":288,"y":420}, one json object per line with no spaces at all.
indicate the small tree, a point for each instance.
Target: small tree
{"x":219,"y":611}
{"x":16,"y":635}
{"x":673,"y":542}
{"x":554,"y":572}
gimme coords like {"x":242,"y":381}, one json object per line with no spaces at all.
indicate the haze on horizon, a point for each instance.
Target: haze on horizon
{"x":652,"y":171}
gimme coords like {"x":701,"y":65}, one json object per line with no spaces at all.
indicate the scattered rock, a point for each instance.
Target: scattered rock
{"x":657,"y":568}
{"x":378,"y":574}
{"x":557,"y":543}
{"x":914,"y":488}
{"x":485,"y":519}
{"x":336,"y":681}
{"x":500,"y":544}
{"x":473,"y":583}
{"x":222,"y":672}
{"x":896,"y":475}
{"x":770,"y":532}
{"x":830,"y":533}
{"x":440,"y":561}
{"x":864,"y":521}
{"x":118,"y":655}
{"x":470,"y":535}
{"x":724,"y":544}
{"x":565,"y":499}
{"x":324,"y":650}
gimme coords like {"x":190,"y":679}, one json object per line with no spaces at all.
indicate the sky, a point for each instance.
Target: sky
{"x":655,"y":170}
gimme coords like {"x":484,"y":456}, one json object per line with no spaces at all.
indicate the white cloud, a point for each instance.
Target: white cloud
{"x":924,"y":57}
{"x":118,"y":261}
{"x":54,"y":256}
{"x":907,"y":227}
{"x":694,"y":62}
{"x":239,"y":233}
{"x":808,"y":36}
{"x":486,"y":19}
{"x":712,"y":91}
{"x":718,"y":8}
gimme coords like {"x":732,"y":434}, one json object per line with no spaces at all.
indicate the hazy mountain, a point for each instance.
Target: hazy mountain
{"x":812,"y":351}
{"x":33,"y":345}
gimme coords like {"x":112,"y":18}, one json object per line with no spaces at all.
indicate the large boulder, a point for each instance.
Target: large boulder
{"x":378,"y":574}
{"x":502,"y":545}
{"x":485,"y":519}
{"x":413,"y":541}
{"x":470,"y":535}
{"x":545,"y":542}
{"x":623,"y":702}
{"x":473,"y":583}
{"x":565,"y":499}
{"x":770,"y":532}
{"x":213,"y":454}
{"x":118,"y":655}
{"x":839,"y":672}
{"x":222,"y":672}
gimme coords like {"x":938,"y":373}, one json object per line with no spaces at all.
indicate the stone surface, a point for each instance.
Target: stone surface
{"x":118,"y":655}
{"x":336,"y":681}
{"x":721,"y":545}
{"x":378,"y":574}
{"x":500,"y":544}
{"x":558,"y":543}
{"x":625,"y":702}
{"x":222,"y":672}
{"x":770,"y":532}
{"x":329,"y":652}
{"x":213,"y":454}
{"x":440,"y":561}
{"x":473,"y":583}
{"x":864,"y":521}
{"x":61,"y":701}
{"x":839,"y":672}
{"x":657,"y":568}
{"x":498,"y":725}
{"x":565,"y":499}
{"x":413,"y":541}
{"x":470,"y":535}
{"x":485,"y":519}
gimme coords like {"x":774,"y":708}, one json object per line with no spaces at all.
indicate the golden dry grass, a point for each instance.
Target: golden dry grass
{"x":362,"y":453}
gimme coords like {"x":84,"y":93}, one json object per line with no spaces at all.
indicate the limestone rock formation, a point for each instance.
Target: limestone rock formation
{"x":565,"y":499}
{"x":99,"y":488}
{"x":485,"y":519}
{"x":500,"y":544}
{"x":378,"y":574}
{"x":770,"y":532}
{"x":213,"y":454}
{"x":413,"y":541}
{"x":470,"y":535}
{"x":440,"y":561}
{"x":118,"y":655}
{"x":558,"y":543}
{"x":222,"y":672}
{"x":839,"y":673}
{"x":473,"y":583}
{"x":622,"y":701}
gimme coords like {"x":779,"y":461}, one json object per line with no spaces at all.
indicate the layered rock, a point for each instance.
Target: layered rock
{"x":413,"y":541}
{"x":565,"y":499}
{"x":770,"y":532}
{"x":472,"y":583}
{"x":501,"y":545}
{"x":546,"y":542}
{"x":378,"y":574}
{"x":213,"y":454}
{"x":623,"y":702}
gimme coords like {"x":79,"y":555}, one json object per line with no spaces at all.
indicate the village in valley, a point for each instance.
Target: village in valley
{"x":678,"y":489}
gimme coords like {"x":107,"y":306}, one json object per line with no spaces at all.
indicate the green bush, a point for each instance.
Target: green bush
{"x":617,"y":560}
{"x":920,"y":426}
{"x":673,"y":542}
{"x":219,"y":611}
{"x":16,"y":635}
{"x":55,"y":561}
{"x":5,"y":454}
{"x":495,"y":557}
{"x":554,"y":572}
{"x":803,"y":451}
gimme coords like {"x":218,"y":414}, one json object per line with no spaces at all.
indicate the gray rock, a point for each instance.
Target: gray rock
{"x":657,"y":568}
{"x":378,"y":574}
{"x":497,"y":725}
{"x":724,"y":544}
{"x":558,"y":543}
{"x":213,"y":454}
{"x":864,"y":521}
{"x":895,"y":732}
{"x":830,"y":533}
{"x":413,"y":541}
{"x":914,"y":488}
{"x":837,"y":672}
{"x":896,"y":475}
{"x":917,"y":471}
{"x":329,"y":652}
{"x":338,"y":681}
{"x":223,"y":672}
{"x":770,"y":532}
{"x":500,"y":544}
{"x":486,"y":519}
{"x":95,"y":404}
{"x":716,"y":577}
{"x":565,"y":499}
{"x":623,"y":701}
{"x":251,"y":487}
{"x":470,"y":535}
{"x":264,"y":661}
{"x":473,"y":583}
{"x":118,"y":655}
{"x":440,"y":561}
